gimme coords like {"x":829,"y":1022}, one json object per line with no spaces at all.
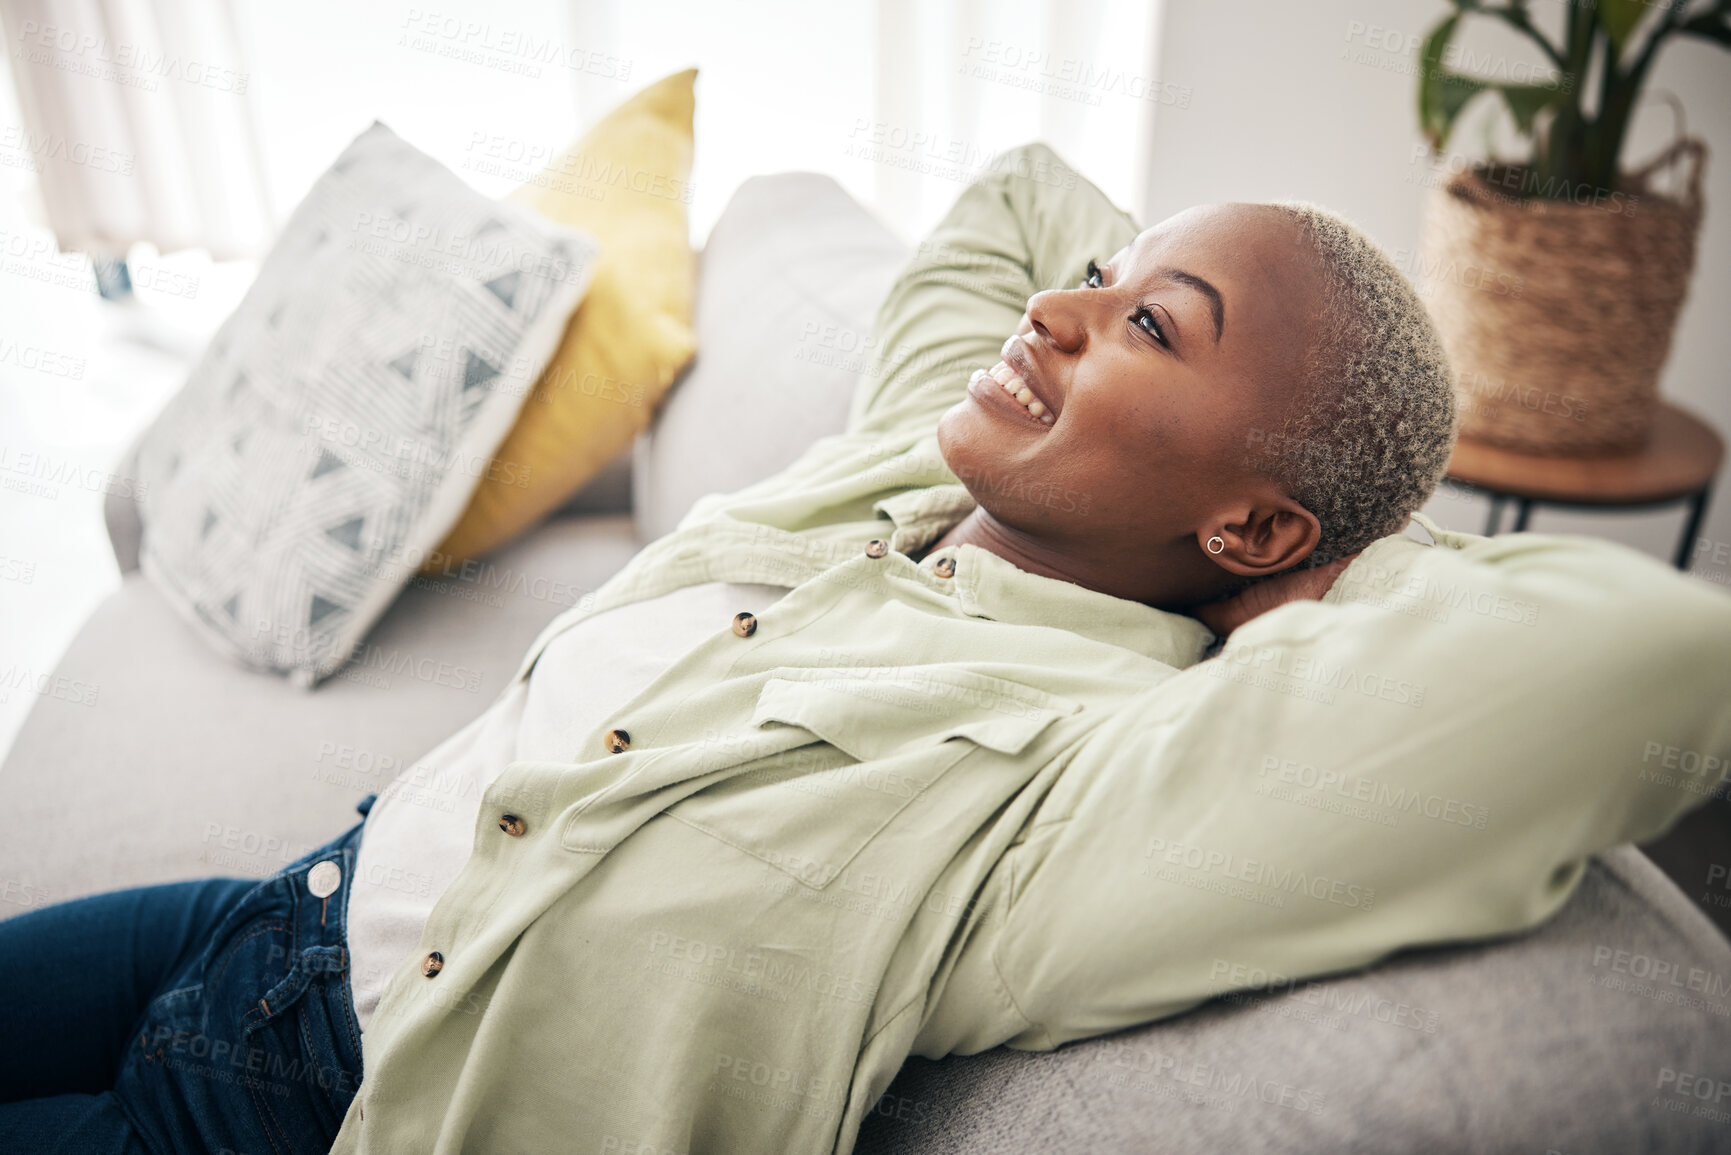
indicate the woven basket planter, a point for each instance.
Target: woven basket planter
{"x":1558,"y":316}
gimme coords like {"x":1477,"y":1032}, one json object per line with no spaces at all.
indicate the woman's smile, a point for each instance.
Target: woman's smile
{"x":1015,"y":378}
{"x":1000,"y":388}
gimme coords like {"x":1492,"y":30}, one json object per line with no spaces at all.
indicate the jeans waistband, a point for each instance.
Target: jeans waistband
{"x":313,"y":892}
{"x":320,"y":918}
{"x":271,"y":990}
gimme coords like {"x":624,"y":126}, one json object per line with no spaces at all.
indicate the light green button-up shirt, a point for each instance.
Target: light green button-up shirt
{"x":921,"y":814}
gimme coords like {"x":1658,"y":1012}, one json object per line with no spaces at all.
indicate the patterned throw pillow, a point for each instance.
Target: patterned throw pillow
{"x":342,"y":417}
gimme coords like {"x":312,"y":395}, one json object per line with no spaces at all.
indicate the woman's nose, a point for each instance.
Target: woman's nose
{"x":1058,"y":316}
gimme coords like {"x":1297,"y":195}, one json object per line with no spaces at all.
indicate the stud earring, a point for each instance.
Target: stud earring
{"x":1216,"y":544}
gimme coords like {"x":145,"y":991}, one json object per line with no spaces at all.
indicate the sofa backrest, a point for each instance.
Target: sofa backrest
{"x":1603,"y":1030}
{"x":788,"y":286}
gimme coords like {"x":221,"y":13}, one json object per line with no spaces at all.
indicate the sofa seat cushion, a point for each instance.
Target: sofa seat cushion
{"x":171,"y":762}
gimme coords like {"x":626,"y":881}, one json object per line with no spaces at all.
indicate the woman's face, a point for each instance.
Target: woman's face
{"x":1160,"y":378}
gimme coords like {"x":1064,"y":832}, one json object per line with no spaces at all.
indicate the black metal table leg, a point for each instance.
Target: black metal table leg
{"x":1697,"y":514}
{"x":1692,"y":526}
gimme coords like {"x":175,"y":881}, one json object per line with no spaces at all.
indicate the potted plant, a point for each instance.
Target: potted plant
{"x":1556,"y":279}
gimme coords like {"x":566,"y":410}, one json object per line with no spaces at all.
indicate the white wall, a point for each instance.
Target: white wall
{"x":1315,"y":101}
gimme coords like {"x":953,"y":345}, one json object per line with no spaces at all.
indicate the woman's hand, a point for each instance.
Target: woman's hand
{"x":1228,"y":614}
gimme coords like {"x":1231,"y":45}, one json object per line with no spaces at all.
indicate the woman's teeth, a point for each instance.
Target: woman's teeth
{"x":1017,"y":388}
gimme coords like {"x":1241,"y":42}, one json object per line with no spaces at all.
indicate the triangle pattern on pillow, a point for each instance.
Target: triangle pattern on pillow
{"x":477,"y":370}
{"x":326,"y":463}
{"x":348,"y":533}
{"x":505,"y":287}
{"x":322,"y":608}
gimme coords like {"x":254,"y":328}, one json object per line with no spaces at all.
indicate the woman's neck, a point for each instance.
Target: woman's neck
{"x":1166,"y":583}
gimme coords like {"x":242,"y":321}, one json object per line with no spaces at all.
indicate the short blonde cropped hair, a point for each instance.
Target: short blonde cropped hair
{"x":1367,"y":438}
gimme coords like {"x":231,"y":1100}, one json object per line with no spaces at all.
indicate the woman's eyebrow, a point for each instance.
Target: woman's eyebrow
{"x":1216,"y":306}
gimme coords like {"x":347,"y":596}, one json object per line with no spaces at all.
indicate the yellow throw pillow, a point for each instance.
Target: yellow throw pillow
{"x":626,"y":181}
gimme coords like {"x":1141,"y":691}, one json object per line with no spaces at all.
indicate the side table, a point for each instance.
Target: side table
{"x":1679,"y":463}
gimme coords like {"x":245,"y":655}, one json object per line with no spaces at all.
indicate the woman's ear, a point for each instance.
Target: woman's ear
{"x":1262,"y":539}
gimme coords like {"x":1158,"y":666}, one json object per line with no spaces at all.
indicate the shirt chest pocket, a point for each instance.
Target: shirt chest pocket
{"x":880,"y":737}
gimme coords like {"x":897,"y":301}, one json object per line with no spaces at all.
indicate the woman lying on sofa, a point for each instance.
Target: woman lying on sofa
{"x":914,"y":748}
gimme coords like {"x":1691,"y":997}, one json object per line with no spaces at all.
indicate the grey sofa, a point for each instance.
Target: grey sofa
{"x":1606,"y":1030}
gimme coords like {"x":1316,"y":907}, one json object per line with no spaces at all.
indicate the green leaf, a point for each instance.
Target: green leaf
{"x":1432,"y":119}
{"x":1526,"y":101}
{"x":1619,"y":19}
{"x":1454,"y":91}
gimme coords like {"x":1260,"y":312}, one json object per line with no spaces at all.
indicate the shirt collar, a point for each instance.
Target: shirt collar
{"x":990,"y":587}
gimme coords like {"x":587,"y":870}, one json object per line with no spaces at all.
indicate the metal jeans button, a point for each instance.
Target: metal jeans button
{"x":324,"y":878}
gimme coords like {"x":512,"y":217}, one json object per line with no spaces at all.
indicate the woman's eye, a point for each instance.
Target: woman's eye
{"x":1143,"y":318}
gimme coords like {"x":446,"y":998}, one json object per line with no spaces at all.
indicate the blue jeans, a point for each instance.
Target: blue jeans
{"x":198,"y":1016}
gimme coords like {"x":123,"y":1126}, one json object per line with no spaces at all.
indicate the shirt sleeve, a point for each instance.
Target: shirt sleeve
{"x":1030,"y":223}
{"x":1428,"y":755}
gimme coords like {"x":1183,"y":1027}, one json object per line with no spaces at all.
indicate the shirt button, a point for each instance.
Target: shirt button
{"x":511,"y":825}
{"x":945,"y":567}
{"x":744,"y":623}
{"x":432,"y":964}
{"x":877,"y":547}
{"x":617,"y":741}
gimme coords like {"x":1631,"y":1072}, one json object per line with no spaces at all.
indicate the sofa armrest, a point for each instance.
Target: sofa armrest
{"x":122,"y":508}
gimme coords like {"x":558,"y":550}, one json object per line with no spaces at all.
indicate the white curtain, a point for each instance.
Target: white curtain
{"x":137,"y":121}
{"x":903,"y":101}
{"x":972,"y":77}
